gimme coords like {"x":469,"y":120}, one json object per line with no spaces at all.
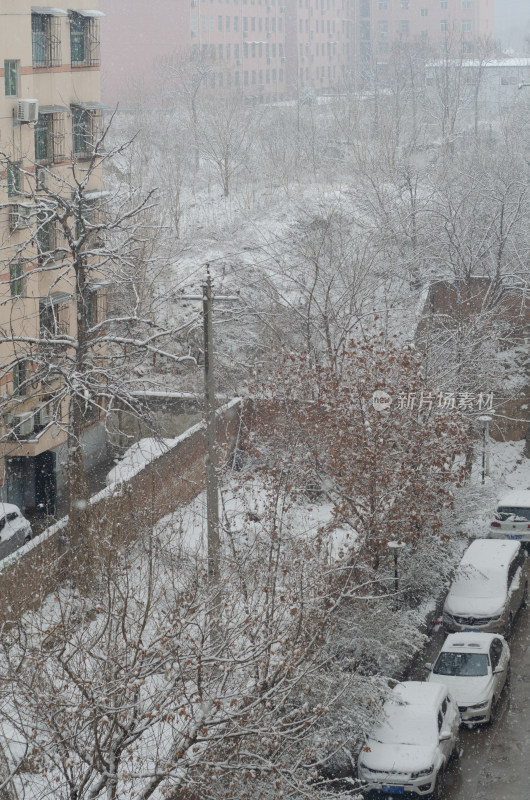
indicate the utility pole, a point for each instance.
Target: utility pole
{"x":212,"y":483}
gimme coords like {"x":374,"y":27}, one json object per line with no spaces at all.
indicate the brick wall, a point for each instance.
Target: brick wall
{"x":119,"y":513}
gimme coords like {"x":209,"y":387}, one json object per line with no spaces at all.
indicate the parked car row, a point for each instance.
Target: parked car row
{"x":408,"y":749}
{"x":15,"y":530}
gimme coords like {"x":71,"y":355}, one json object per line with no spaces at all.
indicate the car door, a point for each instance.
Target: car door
{"x":497,"y":662}
{"x":446,"y":724}
{"x":516,"y":581}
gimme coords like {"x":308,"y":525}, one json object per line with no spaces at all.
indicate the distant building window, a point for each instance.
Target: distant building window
{"x":383,"y":5}
{"x":404,"y":5}
{"x":20,"y":386}
{"x":444,"y":25}
{"x":424,"y":12}
{"x":467,"y":48}
{"x":383,"y":27}
{"x":46,"y":39}
{"x":11,"y":72}
{"x":86,"y":128}
{"x":382,"y":48}
{"x":444,"y":4}
{"x":84,"y":39}
{"x":466,"y":26}
{"x":365,"y":8}
{"x":50,"y":136}
{"x":466,"y":3}
{"x":45,"y":234}
{"x":14,"y":179}
{"x":365,"y":30}
{"x":404,"y":26}
{"x":16,"y":277}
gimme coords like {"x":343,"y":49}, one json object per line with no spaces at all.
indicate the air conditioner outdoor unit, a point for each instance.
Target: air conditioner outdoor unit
{"x":28,"y":110}
{"x":23,"y":424}
{"x":44,"y":415}
{"x":20,"y":216}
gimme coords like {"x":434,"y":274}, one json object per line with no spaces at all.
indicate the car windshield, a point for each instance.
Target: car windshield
{"x":405,"y":724}
{"x":462,"y":664}
{"x":507,"y":513}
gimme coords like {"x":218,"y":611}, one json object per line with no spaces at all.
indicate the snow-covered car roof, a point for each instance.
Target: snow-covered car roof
{"x":419,"y":693}
{"x":483,"y":570}
{"x":517,"y":497}
{"x":472,"y":642}
{"x":9,"y":508}
{"x":409,"y":715}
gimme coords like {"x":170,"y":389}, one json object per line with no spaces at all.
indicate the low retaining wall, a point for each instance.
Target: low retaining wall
{"x":168,"y":481}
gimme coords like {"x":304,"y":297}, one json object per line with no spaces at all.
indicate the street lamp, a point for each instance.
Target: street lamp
{"x":485,"y":422}
{"x":395,"y":547}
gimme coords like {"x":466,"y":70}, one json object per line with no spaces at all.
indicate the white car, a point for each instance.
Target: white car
{"x":489,"y":588}
{"x":409,"y":747}
{"x":15,"y":529}
{"x":512,"y":517}
{"x":475,"y":668}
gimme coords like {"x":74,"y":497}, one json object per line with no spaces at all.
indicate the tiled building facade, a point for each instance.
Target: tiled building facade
{"x":50,"y":112}
{"x":271,"y":49}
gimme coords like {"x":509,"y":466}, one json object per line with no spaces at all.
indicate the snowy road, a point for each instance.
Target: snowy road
{"x":495,"y":763}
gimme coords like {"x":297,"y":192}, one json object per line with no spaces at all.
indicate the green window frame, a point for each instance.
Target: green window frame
{"x":16,"y":278}
{"x":43,"y":150}
{"x":81,"y":131}
{"x":78,"y":39}
{"x":14,"y":179}
{"x":45,"y":233}
{"x":11,"y":71}
{"x":39,"y":39}
{"x":19,"y":378}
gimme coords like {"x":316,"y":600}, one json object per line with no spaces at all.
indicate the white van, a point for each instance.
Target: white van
{"x":512,"y":517}
{"x":489,"y":588}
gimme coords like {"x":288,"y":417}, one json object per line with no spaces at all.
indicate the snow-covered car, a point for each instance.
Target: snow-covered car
{"x":15,"y":529}
{"x":475,"y":668}
{"x":512,"y":517}
{"x":409,"y":747}
{"x":489,"y":588}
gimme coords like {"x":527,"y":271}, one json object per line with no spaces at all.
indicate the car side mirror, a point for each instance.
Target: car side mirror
{"x":428,"y":667}
{"x":498,"y":670}
{"x":445,"y":735}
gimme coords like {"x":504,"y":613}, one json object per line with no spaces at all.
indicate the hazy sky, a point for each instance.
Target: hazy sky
{"x":512,"y":21}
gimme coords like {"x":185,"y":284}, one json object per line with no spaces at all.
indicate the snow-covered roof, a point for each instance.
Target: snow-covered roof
{"x":49,"y":11}
{"x":473,"y":641}
{"x":419,"y":693}
{"x":518,"y":498}
{"x":476,"y":63}
{"x":9,"y":508}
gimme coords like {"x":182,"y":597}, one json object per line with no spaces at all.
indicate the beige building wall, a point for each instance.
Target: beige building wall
{"x":38,"y":62}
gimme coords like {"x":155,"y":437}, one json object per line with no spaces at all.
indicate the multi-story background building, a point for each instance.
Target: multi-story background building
{"x":271,"y":49}
{"x":436,"y":25}
{"x":50,"y":112}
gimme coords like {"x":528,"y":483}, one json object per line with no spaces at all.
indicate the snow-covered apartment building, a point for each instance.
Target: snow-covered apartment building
{"x":272,"y":49}
{"x":49,"y":109}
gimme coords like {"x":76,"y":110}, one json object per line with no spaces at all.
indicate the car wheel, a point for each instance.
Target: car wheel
{"x":437,"y":792}
{"x":493,"y":711}
{"x":508,"y":681}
